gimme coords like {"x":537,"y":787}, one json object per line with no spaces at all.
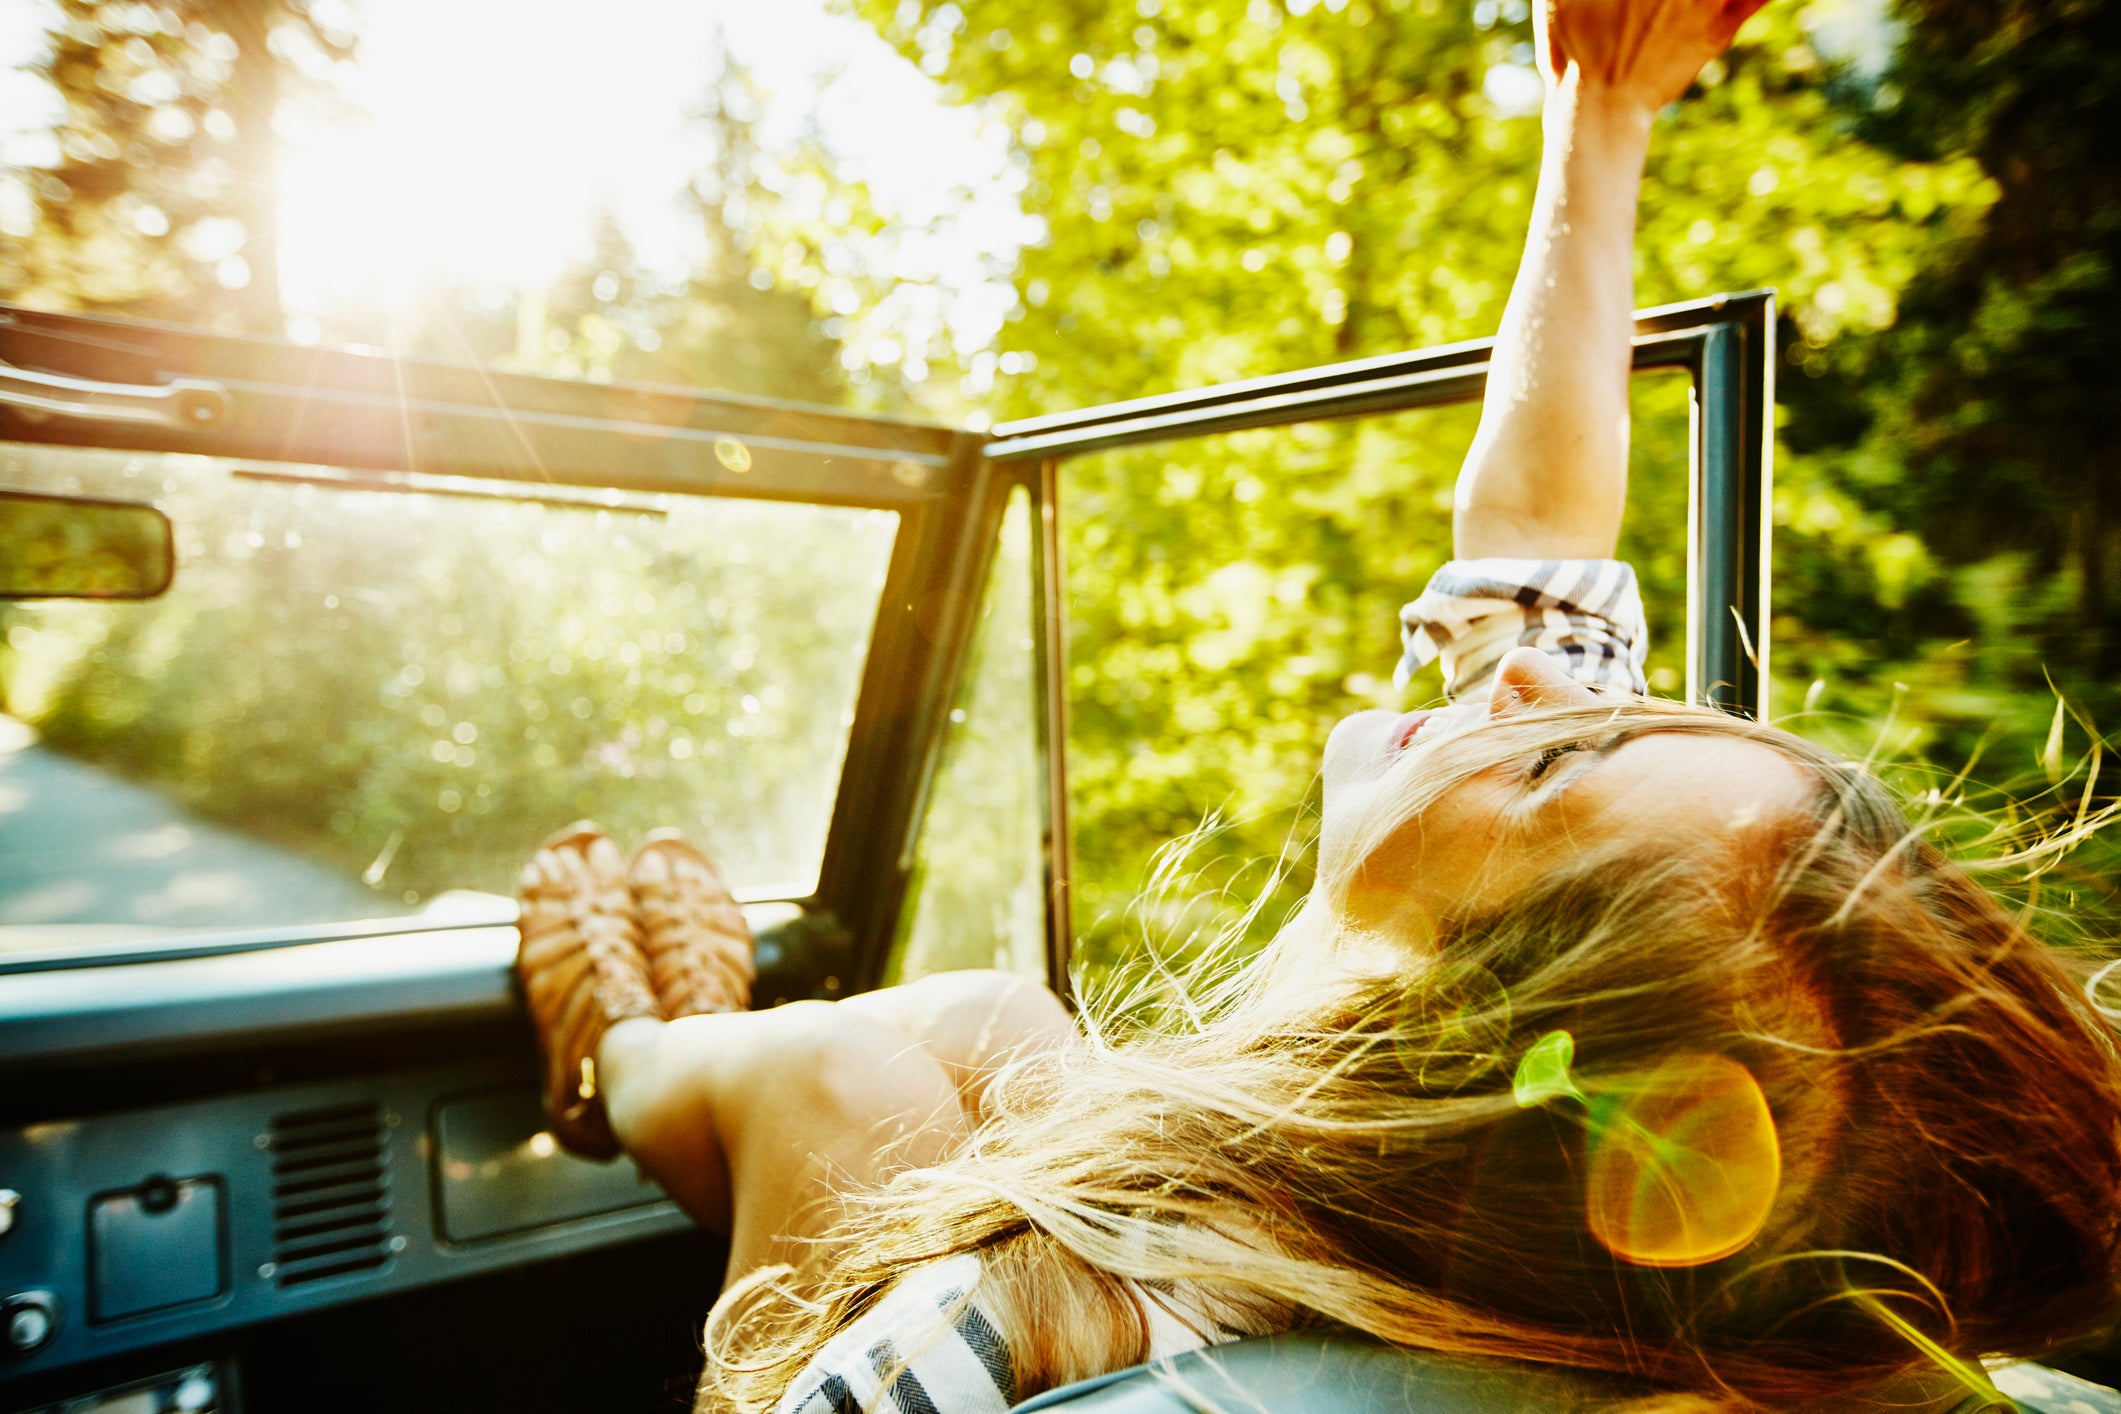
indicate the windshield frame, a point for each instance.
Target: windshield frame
{"x":390,"y":422}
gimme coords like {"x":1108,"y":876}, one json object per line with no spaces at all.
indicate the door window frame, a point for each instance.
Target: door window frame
{"x":1725,"y":344}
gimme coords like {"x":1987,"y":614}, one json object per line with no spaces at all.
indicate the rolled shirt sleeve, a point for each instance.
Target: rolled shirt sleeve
{"x":1585,"y":614}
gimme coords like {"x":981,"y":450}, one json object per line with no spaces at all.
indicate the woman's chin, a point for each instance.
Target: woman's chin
{"x":1356,"y":749}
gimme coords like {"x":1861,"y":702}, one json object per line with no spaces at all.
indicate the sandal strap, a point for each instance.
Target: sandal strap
{"x":582,"y":970}
{"x":699,"y":946}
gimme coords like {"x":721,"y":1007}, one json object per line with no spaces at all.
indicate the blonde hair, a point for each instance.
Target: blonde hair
{"x":1350,"y":1151}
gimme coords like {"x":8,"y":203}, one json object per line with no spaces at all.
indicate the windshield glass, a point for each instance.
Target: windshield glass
{"x":359,"y":703}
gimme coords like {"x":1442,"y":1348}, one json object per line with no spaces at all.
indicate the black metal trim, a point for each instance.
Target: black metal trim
{"x":1050,"y":681}
{"x":925,"y":622}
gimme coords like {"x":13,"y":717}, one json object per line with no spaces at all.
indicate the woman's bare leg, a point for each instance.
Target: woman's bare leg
{"x":758,"y":1122}
{"x":974,"y":1022}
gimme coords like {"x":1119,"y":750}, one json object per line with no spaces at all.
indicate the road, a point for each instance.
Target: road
{"x":86,"y":857}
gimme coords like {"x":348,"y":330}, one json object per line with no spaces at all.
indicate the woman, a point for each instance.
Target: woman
{"x":1616,"y":1033}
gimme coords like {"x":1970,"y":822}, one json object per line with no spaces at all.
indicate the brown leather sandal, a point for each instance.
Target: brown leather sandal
{"x":582,"y":967}
{"x":698,"y":944}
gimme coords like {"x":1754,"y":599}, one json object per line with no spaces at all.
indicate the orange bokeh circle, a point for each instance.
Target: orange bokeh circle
{"x":1684,"y":1165}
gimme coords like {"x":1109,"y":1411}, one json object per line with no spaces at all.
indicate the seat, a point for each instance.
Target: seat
{"x":1321,"y":1372}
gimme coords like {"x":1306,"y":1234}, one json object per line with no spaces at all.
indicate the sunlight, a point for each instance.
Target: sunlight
{"x":469,"y":151}
{"x":481,"y":151}
{"x":474,"y":148}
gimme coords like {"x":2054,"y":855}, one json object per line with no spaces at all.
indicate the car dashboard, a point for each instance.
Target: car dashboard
{"x":204,"y":1146}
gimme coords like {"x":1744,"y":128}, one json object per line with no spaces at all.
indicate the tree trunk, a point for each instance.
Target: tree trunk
{"x":254,"y":95}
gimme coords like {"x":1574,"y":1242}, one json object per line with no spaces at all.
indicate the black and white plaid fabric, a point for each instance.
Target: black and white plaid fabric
{"x":934,"y":1340}
{"x":944,"y":1354}
{"x":1586,"y":613}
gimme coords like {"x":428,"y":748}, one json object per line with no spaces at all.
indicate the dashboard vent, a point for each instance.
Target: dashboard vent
{"x":330,"y":1193}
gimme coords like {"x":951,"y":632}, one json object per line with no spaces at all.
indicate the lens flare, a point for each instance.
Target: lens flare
{"x":1684,"y":1165}
{"x":1543,"y":1074}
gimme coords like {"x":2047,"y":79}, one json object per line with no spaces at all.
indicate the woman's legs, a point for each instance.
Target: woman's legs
{"x":755,"y":1122}
{"x":974,"y":1023}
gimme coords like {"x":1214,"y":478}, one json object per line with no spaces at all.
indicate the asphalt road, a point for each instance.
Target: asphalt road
{"x":86,"y":857}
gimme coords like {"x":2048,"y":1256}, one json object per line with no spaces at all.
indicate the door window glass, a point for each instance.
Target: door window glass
{"x":978,"y":894}
{"x":1230,"y":598}
{"x":355,"y":703}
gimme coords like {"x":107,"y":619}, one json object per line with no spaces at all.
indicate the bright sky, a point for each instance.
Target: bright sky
{"x":479,"y":138}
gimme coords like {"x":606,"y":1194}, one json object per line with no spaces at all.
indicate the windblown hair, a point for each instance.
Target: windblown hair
{"x":1349,"y":1152}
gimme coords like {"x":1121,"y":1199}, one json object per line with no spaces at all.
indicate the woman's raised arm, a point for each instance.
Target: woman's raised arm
{"x":1547,"y":474}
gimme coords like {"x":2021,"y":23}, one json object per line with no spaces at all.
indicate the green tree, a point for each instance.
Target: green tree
{"x":743,"y":319}
{"x":1952,"y":545}
{"x":1987,"y":422}
{"x":162,"y":200}
{"x":2004,"y":369}
{"x":1233,"y":187}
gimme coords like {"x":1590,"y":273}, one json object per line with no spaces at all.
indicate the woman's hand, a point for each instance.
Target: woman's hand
{"x":1644,"y":52}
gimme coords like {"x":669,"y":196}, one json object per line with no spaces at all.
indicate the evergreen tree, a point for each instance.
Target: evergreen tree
{"x":744,"y":321}
{"x":1996,"y":391}
{"x":744,"y":318}
{"x":162,"y":201}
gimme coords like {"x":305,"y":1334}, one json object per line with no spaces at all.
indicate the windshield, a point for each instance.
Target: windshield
{"x":360,"y":703}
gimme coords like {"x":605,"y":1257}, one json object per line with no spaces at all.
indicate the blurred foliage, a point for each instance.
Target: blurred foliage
{"x":1233,"y":187}
{"x":161,"y":198}
{"x":1972,"y":445}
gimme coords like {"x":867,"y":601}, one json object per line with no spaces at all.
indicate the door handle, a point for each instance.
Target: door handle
{"x":185,"y":404}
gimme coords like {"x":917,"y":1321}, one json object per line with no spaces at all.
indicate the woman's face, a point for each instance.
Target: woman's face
{"x":1496,"y":831}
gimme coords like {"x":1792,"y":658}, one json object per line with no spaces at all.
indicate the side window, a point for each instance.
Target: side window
{"x":1231,"y":597}
{"x":354,"y":700}
{"x":978,"y":894}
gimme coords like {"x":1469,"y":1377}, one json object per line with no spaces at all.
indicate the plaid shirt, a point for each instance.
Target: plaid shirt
{"x":932,"y":1335}
{"x":937,"y":1338}
{"x":1587,"y":614}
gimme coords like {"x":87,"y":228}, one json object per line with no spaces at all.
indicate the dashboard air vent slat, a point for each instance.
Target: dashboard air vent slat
{"x":331,"y":1193}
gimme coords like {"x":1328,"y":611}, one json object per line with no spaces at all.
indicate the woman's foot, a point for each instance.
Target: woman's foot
{"x":698,"y":944}
{"x":583,"y":970}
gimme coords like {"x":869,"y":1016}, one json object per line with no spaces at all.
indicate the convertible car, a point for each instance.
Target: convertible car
{"x":311,"y":646}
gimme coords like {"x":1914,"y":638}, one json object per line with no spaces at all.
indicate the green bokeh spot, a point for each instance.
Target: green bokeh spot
{"x":1543,"y":1074}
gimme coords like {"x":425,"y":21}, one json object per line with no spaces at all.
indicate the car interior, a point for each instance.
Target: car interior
{"x":272,"y":1137}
